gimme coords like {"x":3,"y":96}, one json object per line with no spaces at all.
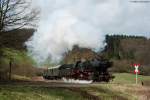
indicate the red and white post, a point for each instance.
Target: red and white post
{"x":136,"y":71}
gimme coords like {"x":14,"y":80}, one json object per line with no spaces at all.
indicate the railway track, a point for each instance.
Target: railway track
{"x":43,"y":83}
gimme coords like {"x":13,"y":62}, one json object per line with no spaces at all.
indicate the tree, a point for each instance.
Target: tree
{"x":15,"y":14}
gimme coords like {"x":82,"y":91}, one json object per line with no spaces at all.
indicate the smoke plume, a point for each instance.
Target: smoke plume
{"x":64,"y":23}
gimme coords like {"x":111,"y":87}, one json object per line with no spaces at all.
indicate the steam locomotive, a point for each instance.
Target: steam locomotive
{"x":95,"y":70}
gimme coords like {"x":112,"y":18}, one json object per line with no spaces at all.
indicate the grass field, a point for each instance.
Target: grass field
{"x":126,"y":78}
{"x":37,"y":93}
{"x":123,"y":87}
{"x":119,"y":92}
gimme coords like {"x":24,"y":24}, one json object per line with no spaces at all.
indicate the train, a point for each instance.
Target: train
{"x":95,"y":70}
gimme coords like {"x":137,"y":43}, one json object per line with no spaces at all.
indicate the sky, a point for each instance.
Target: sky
{"x":64,"y":23}
{"x":111,"y":16}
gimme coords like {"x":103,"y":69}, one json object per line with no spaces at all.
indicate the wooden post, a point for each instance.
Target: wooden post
{"x":10,"y":69}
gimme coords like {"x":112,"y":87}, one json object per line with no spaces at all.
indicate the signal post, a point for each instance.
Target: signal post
{"x":136,"y":71}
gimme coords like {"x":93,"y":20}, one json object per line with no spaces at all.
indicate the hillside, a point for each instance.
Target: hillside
{"x":128,"y":47}
{"x":126,"y":50}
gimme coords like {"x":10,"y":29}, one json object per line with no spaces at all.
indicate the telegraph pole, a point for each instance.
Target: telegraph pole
{"x":10,"y":69}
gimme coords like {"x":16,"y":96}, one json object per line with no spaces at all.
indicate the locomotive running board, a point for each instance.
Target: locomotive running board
{"x":77,"y":81}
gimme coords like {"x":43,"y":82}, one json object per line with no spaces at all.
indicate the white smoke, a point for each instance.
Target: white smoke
{"x":64,"y":23}
{"x":77,"y":81}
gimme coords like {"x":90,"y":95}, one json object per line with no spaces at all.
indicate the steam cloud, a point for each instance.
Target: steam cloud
{"x":64,"y":23}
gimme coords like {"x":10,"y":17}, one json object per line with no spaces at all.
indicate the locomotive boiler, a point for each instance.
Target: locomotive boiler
{"x":95,"y":70}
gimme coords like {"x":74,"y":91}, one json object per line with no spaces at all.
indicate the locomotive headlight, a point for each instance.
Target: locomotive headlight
{"x":81,"y":75}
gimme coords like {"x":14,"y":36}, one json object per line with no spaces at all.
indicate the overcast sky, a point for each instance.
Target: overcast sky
{"x":111,"y":16}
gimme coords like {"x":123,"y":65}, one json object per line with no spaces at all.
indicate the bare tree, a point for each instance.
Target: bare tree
{"x":15,"y":14}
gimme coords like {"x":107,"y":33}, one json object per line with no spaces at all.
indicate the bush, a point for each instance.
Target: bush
{"x":22,"y":64}
{"x":145,"y":69}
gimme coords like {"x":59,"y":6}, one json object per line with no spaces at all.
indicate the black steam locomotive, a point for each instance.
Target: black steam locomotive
{"x":95,"y":70}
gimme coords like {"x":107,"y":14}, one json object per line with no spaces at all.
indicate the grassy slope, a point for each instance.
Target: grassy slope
{"x":16,"y":55}
{"x":22,"y":64}
{"x":123,"y":87}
